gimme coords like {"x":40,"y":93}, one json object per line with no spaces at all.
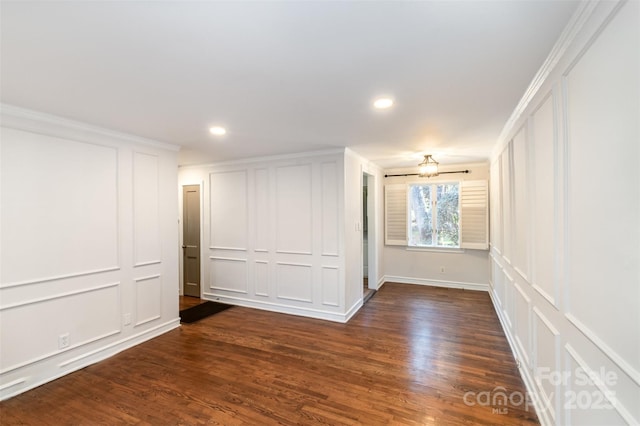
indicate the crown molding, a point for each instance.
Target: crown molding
{"x":266,"y":158}
{"x":40,"y":122}
{"x":568,"y":35}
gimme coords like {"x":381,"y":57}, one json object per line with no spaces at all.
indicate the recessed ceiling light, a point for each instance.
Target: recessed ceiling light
{"x":217,"y":130}
{"x":383,"y":103}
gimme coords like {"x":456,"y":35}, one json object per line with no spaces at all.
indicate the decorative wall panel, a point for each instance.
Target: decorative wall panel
{"x":330,"y":286}
{"x":329,"y":202}
{"x":148,"y":299}
{"x":228,"y":274}
{"x":293,"y":205}
{"x":146,"y":205}
{"x":59,"y":198}
{"x":294,"y":281}
{"x":228,"y":210}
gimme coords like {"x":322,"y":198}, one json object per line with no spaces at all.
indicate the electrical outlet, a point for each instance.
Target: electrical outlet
{"x":63,"y":341}
{"x":442,"y":270}
{"x":126,"y":319}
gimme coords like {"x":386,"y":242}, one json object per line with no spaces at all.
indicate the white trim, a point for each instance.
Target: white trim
{"x":552,"y":401}
{"x":605,"y":349}
{"x":529,"y":383}
{"x":253,"y":160}
{"x":95,"y":356}
{"x":25,"y":119}
{"x":353,"y":310}
{"x":602,"y":387}
{"x":12,"y":383}
{"x":285,"y":309}
{"x":59,"y":277}
{"x":306,"y":253}
{"x":437,"y":283}
{"x":229,"y":248}
{"x":150,"y":262}
{"x":148,"y":277}
{"x":436,"y":249}
{"x":577,"y":21}
{"x":59,"y":296}
{"x":56,"y":352}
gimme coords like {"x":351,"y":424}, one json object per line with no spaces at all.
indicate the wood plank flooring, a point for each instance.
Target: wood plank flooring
{"x":186,"y":302}
{"x":408,"y":357}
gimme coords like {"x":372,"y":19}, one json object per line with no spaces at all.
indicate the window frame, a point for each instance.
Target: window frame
{"x":433,"y":193}
{"x":474,"y":216}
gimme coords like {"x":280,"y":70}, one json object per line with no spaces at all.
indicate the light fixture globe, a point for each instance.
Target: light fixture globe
{"x":429,"y":167}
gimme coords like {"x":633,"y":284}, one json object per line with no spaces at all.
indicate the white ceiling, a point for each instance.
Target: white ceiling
{"x":283,"y":77}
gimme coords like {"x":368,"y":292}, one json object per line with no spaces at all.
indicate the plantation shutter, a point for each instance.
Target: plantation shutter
{"x":395,"y":215}
{"x":474,"y":214}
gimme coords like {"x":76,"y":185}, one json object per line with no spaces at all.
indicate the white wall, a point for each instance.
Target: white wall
{"x":355,"y":166}
{"x":88,"y":245}
{"x":273,"y":234}
{"x":462,"y":269}
{"x":566,"y":234}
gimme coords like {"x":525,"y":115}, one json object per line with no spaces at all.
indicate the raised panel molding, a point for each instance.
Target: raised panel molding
{"x":24,"y":302}
{"x":329,"y":202}
{"x":498,"y":286}
{"x":71,"y":204}
{"x":294,"y":281}
{"x":146,"y":209}
{"x":544,"y":149}
{"x":545,"y":333}
{"x":262,"y":210}
{"x":261,"y":268}
{"x":59,"y":277}
{"x":294,"y":222}
{"x":228,"y":274}
{"x":95,"y":208}
{"x":582,"y":284}
{"x":16,"y":382}
{"x":522,"y":306}
{"x":330,"y":286}
{"x":506,"y":203}
{"x":609,"y":411}
{"x":508,"y":299}
{"x":100,"y":302}
{"x":148,"y":299}
{"x":591,"y":258}
{"x":520,"y":192}
{"x":627,"y":368}
{"x":228,"y":210}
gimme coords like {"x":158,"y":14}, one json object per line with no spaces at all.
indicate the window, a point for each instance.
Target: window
{"x":438,"y":215}
{"x":434,"y":215}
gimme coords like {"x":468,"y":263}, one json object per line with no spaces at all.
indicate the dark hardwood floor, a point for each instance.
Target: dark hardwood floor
{"x":408,"y":357}
{"x":186,"y":302}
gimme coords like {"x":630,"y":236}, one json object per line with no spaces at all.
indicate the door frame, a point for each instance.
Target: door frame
{"x":372,"y":228}
{"x":200,"y":184}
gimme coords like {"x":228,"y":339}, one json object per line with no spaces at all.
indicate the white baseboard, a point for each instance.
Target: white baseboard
{"x":286,"y":309}
{"x":437,"y":283}
{"x":532,"y":391}
{"x":38,"y":373}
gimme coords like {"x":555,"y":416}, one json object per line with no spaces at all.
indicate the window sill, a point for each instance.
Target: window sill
{"x":436,"y":249}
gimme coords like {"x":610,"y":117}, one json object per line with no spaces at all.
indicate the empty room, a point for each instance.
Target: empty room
{"x":320,"y":212}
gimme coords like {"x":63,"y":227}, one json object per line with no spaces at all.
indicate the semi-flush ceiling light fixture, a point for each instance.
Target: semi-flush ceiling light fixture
{"x":383,"y":103}
{"x":429,"y":167}
{"x":218,"y":131}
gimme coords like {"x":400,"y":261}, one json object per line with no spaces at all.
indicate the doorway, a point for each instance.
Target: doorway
{"x":368,"y":237}
{"x":191,"y":240}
